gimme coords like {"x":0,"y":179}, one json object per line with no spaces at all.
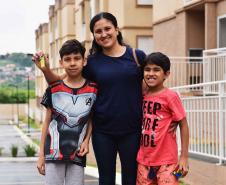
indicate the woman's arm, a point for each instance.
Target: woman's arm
{"x":84,"y":149}
{"x":41,"y":159}
{"x":50,"y":76}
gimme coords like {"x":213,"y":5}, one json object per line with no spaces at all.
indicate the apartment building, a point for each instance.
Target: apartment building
{"x":187,"y":27}
{"x":42,"y":44}
{"x":70,"y":19}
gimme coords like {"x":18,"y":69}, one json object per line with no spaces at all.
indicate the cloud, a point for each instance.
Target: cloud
{"x":19,"y":19}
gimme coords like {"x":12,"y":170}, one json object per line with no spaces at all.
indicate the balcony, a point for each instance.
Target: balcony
{"x":186,"y":2}
{"x":192,"y":70}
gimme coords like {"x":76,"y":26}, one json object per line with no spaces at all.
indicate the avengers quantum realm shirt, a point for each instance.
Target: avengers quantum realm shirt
{"x":71,"y":108}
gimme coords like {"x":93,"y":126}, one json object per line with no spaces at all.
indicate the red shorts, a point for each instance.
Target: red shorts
{"x":163,"y":175}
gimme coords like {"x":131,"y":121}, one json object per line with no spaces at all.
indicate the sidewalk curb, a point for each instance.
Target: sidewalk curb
{"x":18,"y":159}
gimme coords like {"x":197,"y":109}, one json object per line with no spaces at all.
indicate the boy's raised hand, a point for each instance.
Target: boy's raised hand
{"x":37,"y":57}
{"x":41,"y":165}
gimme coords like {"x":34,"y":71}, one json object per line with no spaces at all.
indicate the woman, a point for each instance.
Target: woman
{"x":117,"y":114}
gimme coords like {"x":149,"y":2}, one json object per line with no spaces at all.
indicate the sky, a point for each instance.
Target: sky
{"x":18,"y":21}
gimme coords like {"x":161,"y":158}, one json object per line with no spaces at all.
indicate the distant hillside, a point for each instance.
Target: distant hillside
{"x":14,"y":70}
{"x":19,"y":59}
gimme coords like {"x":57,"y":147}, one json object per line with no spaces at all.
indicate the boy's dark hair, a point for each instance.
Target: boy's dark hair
{"x":158,"y":59}
{"x":72,"y":46}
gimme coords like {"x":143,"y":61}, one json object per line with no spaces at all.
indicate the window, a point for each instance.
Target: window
{"x":195,"y":52}
{"x":221,"y":32}
{"x":145,"y":43}
{"x":83,"y":14}
{"x":144,"y":2}
{"x":195,"y":66}
{"x":95,"y":7}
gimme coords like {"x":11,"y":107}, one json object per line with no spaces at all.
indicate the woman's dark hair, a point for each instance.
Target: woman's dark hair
{"x":103,"y":15}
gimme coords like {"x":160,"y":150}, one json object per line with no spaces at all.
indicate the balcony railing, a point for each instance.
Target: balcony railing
{"x":206,"y":115}
{"x":215,"y":64}
{"x":192,"y":70}
{"x":185,"y":71}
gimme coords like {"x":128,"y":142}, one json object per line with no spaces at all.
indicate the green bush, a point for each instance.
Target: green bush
{"x":9,"y":95}
{"x":30,"y":150}
{"x":14,"y":150}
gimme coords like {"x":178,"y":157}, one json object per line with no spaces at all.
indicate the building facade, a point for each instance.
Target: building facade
{"x":187,"y":27}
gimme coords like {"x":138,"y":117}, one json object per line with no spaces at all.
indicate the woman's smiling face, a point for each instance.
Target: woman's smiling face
{"x":105,"y":33}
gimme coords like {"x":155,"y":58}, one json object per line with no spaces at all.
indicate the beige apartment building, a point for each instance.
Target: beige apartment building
{"x":42,"y":44}
{"x":187,"y":27}
{"x":70,"y":19}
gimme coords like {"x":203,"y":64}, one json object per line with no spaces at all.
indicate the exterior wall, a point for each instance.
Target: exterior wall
{"x":195,"y":29}
{"x":42,"y":36}
{"x":57,"y":29}
{"x":8,"y":111}
{"x":104,"y":7}
{"x":173,"y":41}
{"x":221,"y":8}
{"x":82,"y":19}
{"x":164,"y":9}
{"x":132,"y":19}
{"x":116,"y":7}
{"x":68,"y":20}
{"x":210,"y":26}
{"x":200,"y":22}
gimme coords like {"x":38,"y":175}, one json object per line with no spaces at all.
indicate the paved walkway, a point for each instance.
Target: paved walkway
{"x":8,"y":137}
{"x":205,"y":172}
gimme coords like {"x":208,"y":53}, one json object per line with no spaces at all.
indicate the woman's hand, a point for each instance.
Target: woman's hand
{"x":41,"y":165}
{"x":84,"y":148}
{"x":173,"y":127}
{"x":36,"y":59}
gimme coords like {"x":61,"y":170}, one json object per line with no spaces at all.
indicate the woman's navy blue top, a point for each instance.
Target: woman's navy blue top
{"x":118,"y":107}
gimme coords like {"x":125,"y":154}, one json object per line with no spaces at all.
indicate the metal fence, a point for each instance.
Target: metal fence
{"x":194,"y":70}
{"x":185,"y":71}
{"x":206,"y":114}
{"x":214,"y":67}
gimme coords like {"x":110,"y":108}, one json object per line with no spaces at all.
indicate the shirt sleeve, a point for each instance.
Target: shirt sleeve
{"x":140,"y":56}
{"x":177,"y":108}
{"x":87,"y":72}
{"x":46,"y":99}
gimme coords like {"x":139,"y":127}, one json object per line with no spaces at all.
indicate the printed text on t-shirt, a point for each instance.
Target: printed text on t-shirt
{"x":149,"y":122}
